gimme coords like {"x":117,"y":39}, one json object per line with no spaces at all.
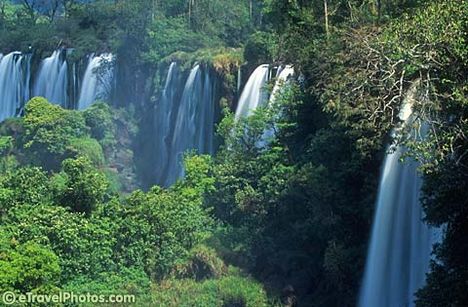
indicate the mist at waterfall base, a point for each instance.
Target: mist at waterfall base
{"x":54,"y":80}
{"x":401,"y":243}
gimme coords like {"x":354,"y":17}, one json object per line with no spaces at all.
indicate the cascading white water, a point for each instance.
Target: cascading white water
{"x":254,"y":94}
{"x":282,"y":78}
{"x":14,"y":83}
{"x":401,"y":243}
{"x":52,"y":79}
{"x":165,"y":108}
{"x":206,"y":132}
{"x":193,"y":127}
{"x":96,"y":84}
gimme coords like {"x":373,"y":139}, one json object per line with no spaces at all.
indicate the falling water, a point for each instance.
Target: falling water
{"x":165,"y":110}
{"x":96,"y":81}
{"x":254,"y":94}
{"x":282,"y":78}
{"x":14,"y":83}
{"x":283,"y":75}
{"x":193,"y":127}
{"x":52,"y":81}
{"x":401,"y":242}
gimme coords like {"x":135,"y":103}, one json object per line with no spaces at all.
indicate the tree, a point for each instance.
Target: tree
{"x":49,"y":130}
{"x":84,"y":187}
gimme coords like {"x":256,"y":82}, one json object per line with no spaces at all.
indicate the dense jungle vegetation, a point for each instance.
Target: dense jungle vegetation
{"x":286,"y":224}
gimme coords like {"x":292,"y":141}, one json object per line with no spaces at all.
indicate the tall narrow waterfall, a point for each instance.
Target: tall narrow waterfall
{"x":254,"y":94}
{"x":97,"y":80}
{"x":14,"y":83}
{"x":52,"y":81}
{"x":163,"y":119}
{"x":401,"y":242}
{"x":193,"y":126}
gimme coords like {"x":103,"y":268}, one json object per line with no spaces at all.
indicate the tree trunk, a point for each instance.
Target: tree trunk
{"x":325,"y":8}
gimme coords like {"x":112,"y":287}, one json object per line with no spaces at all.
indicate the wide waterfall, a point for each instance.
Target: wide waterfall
{"x":401,"y":243}
{"x":14,"y":83}
{"x":52,"y":79}
{"x":97,"y":80}
{"x":254,"y":93}
{"x":185,"y":124}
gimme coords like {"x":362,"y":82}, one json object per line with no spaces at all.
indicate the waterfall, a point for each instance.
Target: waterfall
{"x":283,"y":75}
{"x":254,"y":94}
{"x":52,"y":81}
{"x":14,"y":83}
{"x":97,"y":80}
{"x":164,"y":113}
{"x":194,"y":121}
{"x":401,"y":243}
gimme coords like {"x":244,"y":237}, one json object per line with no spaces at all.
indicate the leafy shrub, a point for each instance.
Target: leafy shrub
{"x":127,"y":281}
{"x":85,"y":187}
{"x":203,"y":263}
{"x":227,"y":291}
{"x":24,"y":186}
{"x":98,"y":118}
{"x":49,"y":130}
{"x":26,"y":267}
{"x":87,"y":147}
{"x":6,"y":144}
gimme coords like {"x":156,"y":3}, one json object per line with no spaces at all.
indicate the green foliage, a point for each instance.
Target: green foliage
{"x":168,"y":35}
{"x":301,"y":183}
{"x":128,"y":281}
{"x":6,"y":145}
{"x":98,"y":117}
{"x":167,"y":223}
{"x":23,"y":186}
{"x":93,"y":236}
{"x":115,"y":186}
{"x":49,"y":130}
{"x":27,"y":267}
{"x":87,"y":147}
{"x":7,"y":161}
{"x":227,"y":291}
{"x":260,"y":48}
{"x":202,"y":263}
{"x":84,"y":186}
{"x":84,"y":246}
